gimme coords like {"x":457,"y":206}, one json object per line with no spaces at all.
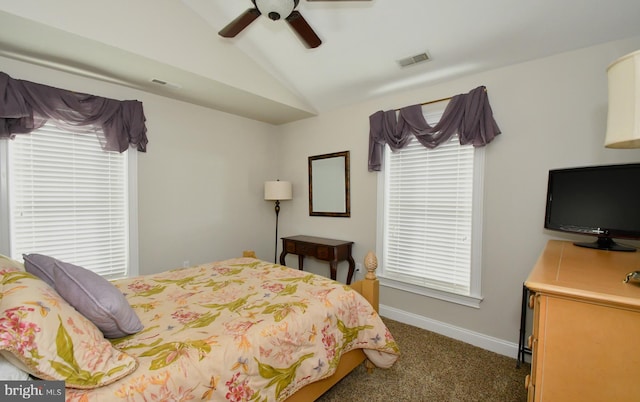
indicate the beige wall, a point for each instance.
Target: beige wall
{"x":200,"y":183}
{"x":552,"y":113}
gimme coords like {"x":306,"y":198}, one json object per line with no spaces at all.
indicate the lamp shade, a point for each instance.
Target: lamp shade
{"x":277,"y":190}
{"x":623,"y":118}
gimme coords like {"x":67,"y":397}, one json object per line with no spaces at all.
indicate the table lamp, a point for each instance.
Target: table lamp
{"x":623,"y":118}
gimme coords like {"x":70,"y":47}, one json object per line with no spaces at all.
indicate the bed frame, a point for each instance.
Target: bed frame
{"x":369,"y":289}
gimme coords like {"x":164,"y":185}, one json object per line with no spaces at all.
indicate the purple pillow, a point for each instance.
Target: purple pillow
{"x":97,"y":299}
{"x":41,"y":266}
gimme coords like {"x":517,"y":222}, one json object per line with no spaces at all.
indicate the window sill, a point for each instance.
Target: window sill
{"x":469,"y":301}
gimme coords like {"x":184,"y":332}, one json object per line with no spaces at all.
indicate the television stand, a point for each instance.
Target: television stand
{"x":605,"y":243}
{"x":585,"y":325}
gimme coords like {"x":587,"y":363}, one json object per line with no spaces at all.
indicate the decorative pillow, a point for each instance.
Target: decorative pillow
{"x":9,"y":372}
{"x":41,"y":266}
{"x":97,"y":299}
{"x":50,"y":340}
{"x":7,"y":262}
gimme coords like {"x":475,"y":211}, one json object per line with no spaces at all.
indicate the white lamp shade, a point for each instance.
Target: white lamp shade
{"x":623,"y":118}
{"x":277,"y":190}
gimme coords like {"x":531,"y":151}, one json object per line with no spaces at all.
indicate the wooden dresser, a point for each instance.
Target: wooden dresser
{"x":586,"y":325}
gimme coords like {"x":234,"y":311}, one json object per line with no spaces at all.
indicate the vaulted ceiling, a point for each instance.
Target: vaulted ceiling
{"x":265,"y":72}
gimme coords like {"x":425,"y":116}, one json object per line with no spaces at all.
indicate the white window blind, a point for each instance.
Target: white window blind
{"x":69,"y":199}
{"x":428,"y":216}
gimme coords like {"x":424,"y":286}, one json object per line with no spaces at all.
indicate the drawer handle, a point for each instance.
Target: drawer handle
{"x":530,"y":341}
{"x":531,"y":301}
{"x":527,"y":381}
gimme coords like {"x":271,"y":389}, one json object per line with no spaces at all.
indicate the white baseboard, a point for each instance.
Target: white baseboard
{"x":483,"y":341}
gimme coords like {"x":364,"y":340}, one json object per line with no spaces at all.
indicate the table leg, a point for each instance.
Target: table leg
{"x":334,"y":269}
{"x":352,"y":269}
{"x":300,"y":262}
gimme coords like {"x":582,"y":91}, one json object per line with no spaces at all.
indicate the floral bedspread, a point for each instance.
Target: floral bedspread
{"x":240,"y":330}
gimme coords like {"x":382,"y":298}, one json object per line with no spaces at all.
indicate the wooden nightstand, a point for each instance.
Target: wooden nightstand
{"x":323,"y":249}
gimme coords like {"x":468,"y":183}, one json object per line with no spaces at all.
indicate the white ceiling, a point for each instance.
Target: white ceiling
{"x":265,"y":73}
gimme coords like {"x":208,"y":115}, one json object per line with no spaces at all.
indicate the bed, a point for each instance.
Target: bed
{"x":240,"y":329}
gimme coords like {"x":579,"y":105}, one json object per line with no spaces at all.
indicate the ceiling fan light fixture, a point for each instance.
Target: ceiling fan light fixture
{"x":276,"y":9}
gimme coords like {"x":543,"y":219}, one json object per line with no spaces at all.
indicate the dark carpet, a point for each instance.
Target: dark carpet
{"x":435,"y":368}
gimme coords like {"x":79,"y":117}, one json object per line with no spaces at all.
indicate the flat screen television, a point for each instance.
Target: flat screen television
{"x":601,"y":201}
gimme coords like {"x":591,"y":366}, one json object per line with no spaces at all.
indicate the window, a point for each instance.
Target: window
{"x":65,"y":197}
{"x":430,"y":215}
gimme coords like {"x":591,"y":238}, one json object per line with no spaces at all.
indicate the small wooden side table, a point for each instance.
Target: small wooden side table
{"x":323,"y":249}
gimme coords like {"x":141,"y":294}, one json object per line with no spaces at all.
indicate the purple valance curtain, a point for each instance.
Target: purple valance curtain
{"x":26,"y":106}
{"x":469,"y":115}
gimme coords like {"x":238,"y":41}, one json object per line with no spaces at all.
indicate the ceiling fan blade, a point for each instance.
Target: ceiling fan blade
{"x":303,"y":29}
{"x":241,"y":22}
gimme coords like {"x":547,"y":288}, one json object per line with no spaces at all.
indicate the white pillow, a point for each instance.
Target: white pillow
{"x":9,"y":372}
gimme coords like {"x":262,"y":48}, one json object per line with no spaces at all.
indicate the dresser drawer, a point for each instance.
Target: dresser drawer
{"x":305,"y":249}
{"x":325,"y":253}
{"x":535,"y":302}
{"x":290,"y":246}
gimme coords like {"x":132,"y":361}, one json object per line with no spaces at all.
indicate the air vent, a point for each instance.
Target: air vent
{"x":167,"y":83}
{"x":419,"y":58}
